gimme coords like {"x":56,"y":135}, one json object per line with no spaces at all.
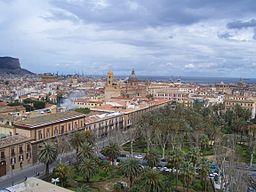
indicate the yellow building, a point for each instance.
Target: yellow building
{"x":15,"y":153}
{"x":48,"y":127}
{"x":245,"y":102}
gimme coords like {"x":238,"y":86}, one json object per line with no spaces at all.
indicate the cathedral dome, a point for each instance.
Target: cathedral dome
{"x":132,"y":77}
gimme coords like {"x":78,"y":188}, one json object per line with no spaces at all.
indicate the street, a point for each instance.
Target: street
{"x":31,"y":171}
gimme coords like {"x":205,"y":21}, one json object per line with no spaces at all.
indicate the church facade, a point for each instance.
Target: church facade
{"x":130,"y":88}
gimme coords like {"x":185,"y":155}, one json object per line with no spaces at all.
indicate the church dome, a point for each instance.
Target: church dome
{"x":132,"y":77}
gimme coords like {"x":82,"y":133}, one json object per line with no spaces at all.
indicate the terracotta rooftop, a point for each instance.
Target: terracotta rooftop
{"x":10,"y":140}
{"x":48,"y":119}
{"x":9,"y":109}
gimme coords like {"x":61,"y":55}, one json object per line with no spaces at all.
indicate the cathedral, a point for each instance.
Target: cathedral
{"x":128,"y":89}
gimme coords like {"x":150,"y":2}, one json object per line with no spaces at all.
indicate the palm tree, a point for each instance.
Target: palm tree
{"x":86,"y":152}
{"x":131,"y":168}
{"x":152,"y":159}
{"x":62,"y":172}
{"x":112,"y":151}
{"x":89,"y":137}
{"x":47,"y":155}
{"x":88,"y":168}
{"x":151,"y":181}
{"x":76,"y":142}
{"x":204,"y":167}
{"x":176,"y":158}
{"x":194,"y":155}
{"x":204,"y":142}
{"x":188,"y":172}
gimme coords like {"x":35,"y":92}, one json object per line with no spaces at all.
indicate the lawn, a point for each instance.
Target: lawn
{"x":244,"y":153}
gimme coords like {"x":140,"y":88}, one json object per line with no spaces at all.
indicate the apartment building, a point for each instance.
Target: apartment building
{"x":244,"y":101}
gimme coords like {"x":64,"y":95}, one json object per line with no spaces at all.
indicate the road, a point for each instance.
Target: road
{"x":19,"y":176}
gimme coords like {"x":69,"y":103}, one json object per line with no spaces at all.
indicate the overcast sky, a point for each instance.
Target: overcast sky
{"x":156,"y":37}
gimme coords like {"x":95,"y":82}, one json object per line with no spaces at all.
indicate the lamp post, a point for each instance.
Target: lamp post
{"x":55,"y":181}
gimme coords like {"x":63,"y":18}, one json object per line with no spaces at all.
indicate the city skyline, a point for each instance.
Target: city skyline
{"x":167,"y":38}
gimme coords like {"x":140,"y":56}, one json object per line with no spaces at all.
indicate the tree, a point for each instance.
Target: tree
{"x":145,"y":125}
{"x":204,"y":167}
{"x":194,"y":155}
{"x":86,"y":152}
{"x":76,"y":142}
{"x":38,"y":104}
{"x":83,"y":110}
{"x":62,"y":171}
{"x":152,"y":159}
{"x":204,"y":142}
{"x":162,"y":133}
{"x":150,"y":181}
{"x":15,"y":103}
{"x":112,"y":151}
{"x":188,"y":172}
{"x":88,"y":168}
{"x":63,"y":145}
{"x":47,"y":155}
{"x":176,"y":158}
{"x":88,"y":136}
{"x":131,"y":169}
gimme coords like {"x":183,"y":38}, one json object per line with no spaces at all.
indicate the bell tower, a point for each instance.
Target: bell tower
{"x":110,"y":78}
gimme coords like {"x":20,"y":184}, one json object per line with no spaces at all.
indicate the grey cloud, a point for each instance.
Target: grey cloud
{"x":242,"y":24}
{"x":224,"y":35}
{"x":119,"y":13}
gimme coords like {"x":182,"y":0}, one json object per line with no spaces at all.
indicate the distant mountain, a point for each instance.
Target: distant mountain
{"x":10,"y":65}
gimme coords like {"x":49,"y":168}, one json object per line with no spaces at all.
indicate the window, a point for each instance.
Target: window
{"x":2,"y":155}
{"x":28,"y":147}
{"x":13,"y":160}
{"x":20,"y":149}
{"x":48,"y":133}
{"x":21,"y":158}
{"x":12,"y":152}
{"x":69,"y":127}
{"x":62,"y":129}
{"x":40,"y":135}
{"x":56,"y":131}
{"x":28,"y":155}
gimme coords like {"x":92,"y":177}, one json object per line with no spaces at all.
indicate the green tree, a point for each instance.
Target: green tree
{"x":152,"y":159}
{"x":176,"y":158}
{"x":188,"y":173}
{"x":204,"y":142}
{"x":150,"y":181}
{"x":194,"y":155}
{"x":112,"y":151}
{"x":62,"y":171}
{"x":131,"y":169}
{"x":86,"y":152}
{"x":15,"y":103}
{"x":47,"y":155}
{"x":204,"y":167}
{"x":38,"y":104}
{"x":83,"y":110}
{"x":88,"y":168}
{"x":76,"y":142}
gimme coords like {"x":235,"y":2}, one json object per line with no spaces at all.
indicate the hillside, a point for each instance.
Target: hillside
{"x":10,"y":65}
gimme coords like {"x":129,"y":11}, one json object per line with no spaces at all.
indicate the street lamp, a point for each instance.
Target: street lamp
{"x":55,"y":181}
